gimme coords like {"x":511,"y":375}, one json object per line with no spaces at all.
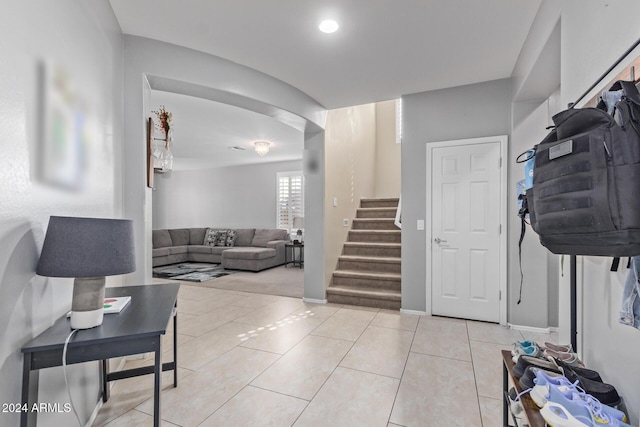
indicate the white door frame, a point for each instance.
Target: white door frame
{"x":502,"y":139}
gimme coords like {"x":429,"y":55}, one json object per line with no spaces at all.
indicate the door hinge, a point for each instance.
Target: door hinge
{"x":500,"y":229}
{"x":499,"y":295}
{"x":500,"y":162}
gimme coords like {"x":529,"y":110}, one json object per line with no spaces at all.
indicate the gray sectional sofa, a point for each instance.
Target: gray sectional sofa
{"x":253,"y":249}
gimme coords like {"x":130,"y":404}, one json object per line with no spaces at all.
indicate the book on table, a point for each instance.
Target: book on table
{"x":113,"y":304}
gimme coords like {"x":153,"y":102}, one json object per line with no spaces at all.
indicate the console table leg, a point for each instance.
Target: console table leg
{"x":175,"y":346}
{"x":505,"y":388}
{"x":26,"y":371}
{"x":157,"y":379}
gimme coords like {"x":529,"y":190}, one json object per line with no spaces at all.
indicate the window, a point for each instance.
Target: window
{"x":290,"y":203}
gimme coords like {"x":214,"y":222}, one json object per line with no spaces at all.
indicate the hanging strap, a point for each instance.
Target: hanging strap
{"x":615,"y":264}
{"x":522,"y":213}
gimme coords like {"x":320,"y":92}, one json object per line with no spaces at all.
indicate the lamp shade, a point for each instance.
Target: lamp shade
{"x":298,"y":222}
{"x":87,"y":247}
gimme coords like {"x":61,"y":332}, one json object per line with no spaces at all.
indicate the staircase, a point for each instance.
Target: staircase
{"x":368,"y":272}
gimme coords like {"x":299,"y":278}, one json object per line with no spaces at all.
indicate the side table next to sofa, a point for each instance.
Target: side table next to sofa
{"x":290,"y":249}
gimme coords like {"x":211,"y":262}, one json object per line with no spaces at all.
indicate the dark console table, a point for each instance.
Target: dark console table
{"x":136,"y":329}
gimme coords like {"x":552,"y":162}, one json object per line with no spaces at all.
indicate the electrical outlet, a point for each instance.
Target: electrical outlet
{"x":345,"y":222}
{"x":420,"y":224}
{"x":335,"y":202}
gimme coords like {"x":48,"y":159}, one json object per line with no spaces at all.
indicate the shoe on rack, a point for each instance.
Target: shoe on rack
{"x":605,"y":393}
{"x":560,"y":411}
{"x":526,"y":361}
{"x":566,"y":348}
{"x":583,"y":372}
{"x":527,"y":380}
{"x":520,"y":345}
{"x":533,"y":351}
{"x":543,"y":382}
{"x":570,"y":359}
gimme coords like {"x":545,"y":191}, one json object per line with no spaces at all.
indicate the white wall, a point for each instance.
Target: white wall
{"x":462,"y":112}
{"x":235,"y":197}
{"x":350,"y":148}
{"x":85,"y":41}
{"x":388,"y":153}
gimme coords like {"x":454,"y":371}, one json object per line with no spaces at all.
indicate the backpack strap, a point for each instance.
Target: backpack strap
{"x":615,"y":264}
{"x":522,"y":213}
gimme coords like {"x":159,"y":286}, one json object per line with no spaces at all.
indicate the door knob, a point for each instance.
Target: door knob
{"x":439,"y":240}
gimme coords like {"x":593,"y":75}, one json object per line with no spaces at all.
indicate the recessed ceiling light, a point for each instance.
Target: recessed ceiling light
{"x":328,"y":26}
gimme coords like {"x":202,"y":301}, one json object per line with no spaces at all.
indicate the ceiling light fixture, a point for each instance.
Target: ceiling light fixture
{"x":328,"y":26}
{"x":262,"y":147}
{"x":238,"y":148}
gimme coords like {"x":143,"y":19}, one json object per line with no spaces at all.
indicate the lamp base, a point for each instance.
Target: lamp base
{"x":87,"y":307}
{"x":86,"y":319}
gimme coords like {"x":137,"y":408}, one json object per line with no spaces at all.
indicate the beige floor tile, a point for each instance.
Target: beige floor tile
{"x":303,"y":370}
{"x":319,"y":310}
{"x":283,"y":335}
{"x":351,"y":398}
{"x":346,"y":324}
{"x":541,"y":338}
{"x":491,"y":411}
{"x":487,"y":363}
{"x":491,"y":332}
{"x":257,"y":407}
{"x":272,"y":312}
{"x":194,"y":307}
{"x":254,"y":300}
{"x":201,"y":394}
{"x":198,"y":293}
{"x":136,"y":418}
{"x":182,"y":317}
{"x":396,"y":320}
{"x":442,"y":337}
{"x":167,"y":340}
{"x":380,"y":351}
{"x":436,"y":391}
{"x":197,"y":353}
{"x":209,"y":321}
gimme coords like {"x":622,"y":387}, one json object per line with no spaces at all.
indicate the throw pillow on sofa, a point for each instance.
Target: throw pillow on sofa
{"x":221,"y":239}
{"x":231,"y":238}
{"x":210,"y":237}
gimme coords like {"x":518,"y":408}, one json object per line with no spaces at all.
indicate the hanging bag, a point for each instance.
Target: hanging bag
{"x":585,"y":198}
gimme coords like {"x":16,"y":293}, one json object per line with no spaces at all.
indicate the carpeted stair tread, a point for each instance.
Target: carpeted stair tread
{"x":364,"y":258}
{"x":373,"y":244}
{"x":355,"y":274}
{"x":389,"y":232}
{"x":373,"y":293}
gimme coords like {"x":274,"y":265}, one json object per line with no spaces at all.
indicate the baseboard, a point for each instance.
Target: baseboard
{"x":530,"y":329}
{"x":315,"y":301}
{"x":414,"y":312}
{"x":94,"y":413}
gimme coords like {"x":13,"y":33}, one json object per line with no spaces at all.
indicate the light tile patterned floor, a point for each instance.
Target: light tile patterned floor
{"x":262,"y":360}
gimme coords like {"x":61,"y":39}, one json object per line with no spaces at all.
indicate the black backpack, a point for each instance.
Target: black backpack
{"x":585,"y":198}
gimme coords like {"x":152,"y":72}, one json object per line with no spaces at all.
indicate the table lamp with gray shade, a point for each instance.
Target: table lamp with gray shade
{"x":298,"y":222}
{"x":87,"y":249}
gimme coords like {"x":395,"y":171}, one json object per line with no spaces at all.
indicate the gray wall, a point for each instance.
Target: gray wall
{"x":471,"y":111}
{"x":85,"y":41}
{"x":238,"y":197}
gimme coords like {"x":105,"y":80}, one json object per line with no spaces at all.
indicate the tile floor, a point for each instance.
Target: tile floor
{"x":261,"y":360}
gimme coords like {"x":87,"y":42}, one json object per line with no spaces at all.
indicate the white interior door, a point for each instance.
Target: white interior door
{"x":465,"y":239}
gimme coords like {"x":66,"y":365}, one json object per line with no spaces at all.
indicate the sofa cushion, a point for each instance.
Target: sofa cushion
{"x":217,"y":250}
{"x":196,"y":235}
{"x":231,"y":238}
{"x":161,"y":252}
{"x":244,"y":236}
{"x":249,"y":253}
{"x":199,"y":249}
{"x":161,"y":239}
{"x":174,"y":250}
{"x":179,"y":236}
{"x":263,"y":236}
{"x":210,"y":237}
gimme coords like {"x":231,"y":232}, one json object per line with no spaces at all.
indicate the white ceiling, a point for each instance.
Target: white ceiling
{"x":384,"y":49}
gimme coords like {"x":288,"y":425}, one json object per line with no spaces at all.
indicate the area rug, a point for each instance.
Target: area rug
{"x":191,"y":271}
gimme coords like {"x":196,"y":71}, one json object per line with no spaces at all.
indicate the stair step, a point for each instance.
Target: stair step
{"x":364,"y":297}
{"x":372,"y":249}
{"x":376,"y":212}
{"x":379,"y":203}
{"x":374,"y":224}
{"x":369,"y":264}
{"x":376,"y":236}
{"x":366,"y":279}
